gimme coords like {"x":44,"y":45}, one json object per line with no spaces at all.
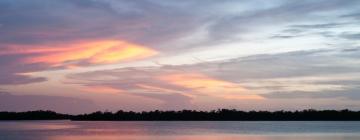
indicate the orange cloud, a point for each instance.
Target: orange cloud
{"x":115,"y":54}
{"x":201,"y":83}
{"x":101,"y":89}
{"x":94,"y":52}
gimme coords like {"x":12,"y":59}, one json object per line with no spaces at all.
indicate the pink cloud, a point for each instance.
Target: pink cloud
{"x":93,"y":52}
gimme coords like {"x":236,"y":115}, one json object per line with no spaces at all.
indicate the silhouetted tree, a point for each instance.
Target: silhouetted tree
{"x":224,"y":115}
{"x":191,"y":115}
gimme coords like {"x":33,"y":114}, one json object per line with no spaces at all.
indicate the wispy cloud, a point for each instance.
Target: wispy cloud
{"x":252,"y":77}
{"x":97,"y":52}
{"x":101,"y":89}
{"x":200,"y":83}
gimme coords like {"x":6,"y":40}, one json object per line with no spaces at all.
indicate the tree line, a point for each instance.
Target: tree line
{"x":191,"y":115}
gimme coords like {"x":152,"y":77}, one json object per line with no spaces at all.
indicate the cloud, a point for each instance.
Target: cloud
{"x":333,"y":83}
{"x":284,"y":36}
{"x":209,"y":86}
{"x":171,"y":86}
{"x":250,"y":77}
{"x":149,"y":23}
{"x":37,"y":34}
{"x":126,"y":20}
{"x":21,"y":60}
{"x":170,"y":101}
{"x":11,"y":102}
{"x":350,"y":94}
{"x":101,"y":51}
{"x":350,"y":36}
{"x":318,"y":26}
{"x":298,"y":63}
{"x":40,"y":36}
{"x":279,"y":14}
{"x":354,"y":15}
{"x":13,"y":72}
{"x":97,"y":52}
{"x":303,"y":30}
{"x":330,"y":30}
{"x":20,"y":78}
{"x":322,"y":73}
{"x":101,"y":89}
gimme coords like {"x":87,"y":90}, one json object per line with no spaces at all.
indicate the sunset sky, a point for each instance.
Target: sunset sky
{"x":76,"y":56}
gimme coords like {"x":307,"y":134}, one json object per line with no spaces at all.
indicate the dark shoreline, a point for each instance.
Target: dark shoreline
{"x":190,"y":115}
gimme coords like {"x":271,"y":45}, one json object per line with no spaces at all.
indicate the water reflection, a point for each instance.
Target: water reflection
{"x":200,"y":137}
{"x":36,"y":125}
{"x":67,"y":130}
{"x":143,"y":137}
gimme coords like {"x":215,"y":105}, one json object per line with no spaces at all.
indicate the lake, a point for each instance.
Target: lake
{"x":179,"y":130}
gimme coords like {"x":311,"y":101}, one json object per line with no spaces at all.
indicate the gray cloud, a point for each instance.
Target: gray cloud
{"x":325,"y":64}
{"x":12,"y":79}
{"x":284,"y":36}
{"x":13,"y":72}
{"x":350,"y":36}
{"x":300,"y":63}
{"x":355,"y":15}
{"x":351,"y":50}
{"x":282,"y":14}
{"x":325,"y":29}
{"x":10,"y":102}
{"x":49,"y":21}
{"x":318,"y":26}
{"x":350,"y":94}
{"x":148,"y":22}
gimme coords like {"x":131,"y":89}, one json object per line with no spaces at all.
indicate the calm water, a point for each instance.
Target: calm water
{"x":67,"y":130}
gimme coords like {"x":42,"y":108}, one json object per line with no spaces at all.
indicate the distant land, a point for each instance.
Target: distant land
{"x":191,"y":115}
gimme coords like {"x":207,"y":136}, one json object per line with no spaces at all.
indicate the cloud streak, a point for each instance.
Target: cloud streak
{"x":203,"y":84}
{"x":97,"y":52}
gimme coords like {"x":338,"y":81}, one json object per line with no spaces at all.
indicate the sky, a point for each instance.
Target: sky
{"x":79,"y":56}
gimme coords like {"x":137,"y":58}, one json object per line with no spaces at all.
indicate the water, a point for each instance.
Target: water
{"x":68,"y":130}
